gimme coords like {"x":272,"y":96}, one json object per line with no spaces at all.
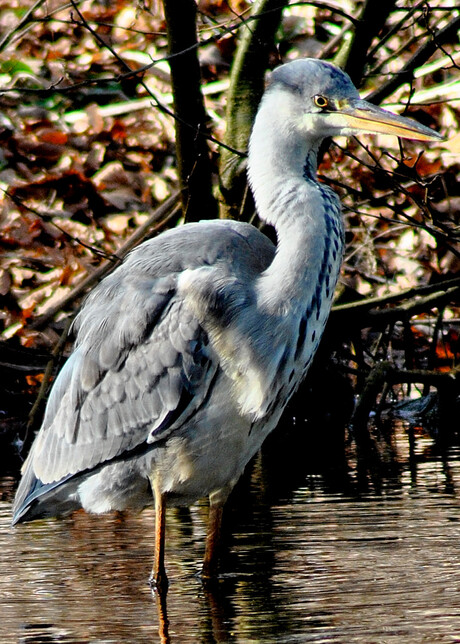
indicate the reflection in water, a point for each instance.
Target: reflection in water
{"x":311,"y":558}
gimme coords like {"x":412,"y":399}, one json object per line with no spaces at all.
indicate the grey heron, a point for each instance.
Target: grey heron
{"x":187,"y":354}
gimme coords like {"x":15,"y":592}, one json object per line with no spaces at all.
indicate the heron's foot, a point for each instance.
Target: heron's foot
{"x":209,"y":574}
{"x":158,"y":581}
{"x":209,"y":569}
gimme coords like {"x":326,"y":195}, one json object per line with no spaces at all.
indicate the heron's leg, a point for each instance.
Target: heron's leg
{"x":211,"y":553}
{"x":159,"y":578}
{"x":163,"y":621}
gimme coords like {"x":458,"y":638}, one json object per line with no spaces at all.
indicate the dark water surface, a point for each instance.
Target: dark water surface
{"x":318,"y":563}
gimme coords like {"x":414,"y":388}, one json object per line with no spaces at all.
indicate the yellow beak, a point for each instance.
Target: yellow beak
{"x":365,"y":117}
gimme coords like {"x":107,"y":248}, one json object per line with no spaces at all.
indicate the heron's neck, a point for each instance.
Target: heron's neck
{"x":305,"y":214}
{"x":278,"y":158}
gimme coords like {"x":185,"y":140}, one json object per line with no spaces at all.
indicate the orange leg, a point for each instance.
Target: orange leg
{"x":163,"y":621}
{"x":211,"y":553}
{"x":158,"y":578}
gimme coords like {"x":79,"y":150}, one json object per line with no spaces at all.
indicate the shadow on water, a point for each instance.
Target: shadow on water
{"x":320,"y":550}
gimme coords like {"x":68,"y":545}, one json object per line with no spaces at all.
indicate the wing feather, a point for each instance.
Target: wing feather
{"x":97,"y":412}
{"x":142,"y":362}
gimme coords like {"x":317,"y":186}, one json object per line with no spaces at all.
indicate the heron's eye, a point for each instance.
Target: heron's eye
{"x":320,"y":101}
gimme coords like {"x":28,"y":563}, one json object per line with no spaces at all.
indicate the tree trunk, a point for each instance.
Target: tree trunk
{"x":194,"y":165}
{"x":246,"y":89}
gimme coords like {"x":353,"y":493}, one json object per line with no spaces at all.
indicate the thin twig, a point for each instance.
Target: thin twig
{"x":163,"y":214}
{"x":49,"y":219}
{"x":26,"y":18}
{"x":422,"y":54}
{"x":375,"y":312}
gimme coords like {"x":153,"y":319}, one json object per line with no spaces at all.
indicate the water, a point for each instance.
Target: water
{"x":319,"y":561}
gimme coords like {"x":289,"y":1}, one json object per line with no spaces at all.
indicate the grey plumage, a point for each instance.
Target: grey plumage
{"x":141,"y":361}
{"x":187,"y":354}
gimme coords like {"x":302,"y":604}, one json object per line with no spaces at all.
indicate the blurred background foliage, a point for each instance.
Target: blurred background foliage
{"x":88,"y":168}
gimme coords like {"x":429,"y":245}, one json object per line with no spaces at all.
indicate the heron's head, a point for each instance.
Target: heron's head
{"x":320,"y":98}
